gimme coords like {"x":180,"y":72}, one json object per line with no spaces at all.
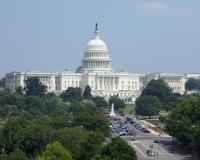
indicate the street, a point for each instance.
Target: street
{"x":164,"y":152}
{"x":164,"y":147}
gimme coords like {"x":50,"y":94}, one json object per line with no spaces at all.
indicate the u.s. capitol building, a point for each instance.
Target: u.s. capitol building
{"x":96,"y":71}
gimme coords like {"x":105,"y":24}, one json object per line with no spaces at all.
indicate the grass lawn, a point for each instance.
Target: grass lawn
{"x":129,"y":109}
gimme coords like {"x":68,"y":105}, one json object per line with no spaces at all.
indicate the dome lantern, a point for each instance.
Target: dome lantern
{"x":96,"y":32}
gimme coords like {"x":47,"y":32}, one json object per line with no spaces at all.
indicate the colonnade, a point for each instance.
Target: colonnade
{"x":96,"y":64}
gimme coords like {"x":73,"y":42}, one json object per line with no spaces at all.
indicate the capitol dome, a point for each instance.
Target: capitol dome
{"x":96,"y":44}
{"x":96,"y":57}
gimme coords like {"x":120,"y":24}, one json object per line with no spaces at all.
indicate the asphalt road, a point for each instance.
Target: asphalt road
{"x":165,"y":149}
{"x":164,"y":152}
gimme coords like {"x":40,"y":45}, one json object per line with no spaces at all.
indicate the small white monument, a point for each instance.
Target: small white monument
{"x":112,"y":113}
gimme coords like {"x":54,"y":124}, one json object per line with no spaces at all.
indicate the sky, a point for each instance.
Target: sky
{"x":142,"y":36}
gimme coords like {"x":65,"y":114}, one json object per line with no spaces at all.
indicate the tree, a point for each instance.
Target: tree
{"x":184,"y":122}
{"x":71,"y":137}
{"x":99,"y":102}
{"x":72,"y":94}
{"x":147,"y":106}
{"x":29,"y":136}
{"x":195,"y":136}
{"x":87,"y":92}
{"x":3,"y":82}
{"x":92,"y":121}
{"x":19,"y":90}
{"x":35,"y":137}
{"x":50,"y":94}
{"x":18,"y":154}
{"x":55,"y":151}
{"x":118,"y":149}
{"x":11,"y":132}
{"x":87,"y":149}
{"x":192,"y":84}
{"x":160,"y":89}
{"x":118,"y":103}
{"x":33,"y":87}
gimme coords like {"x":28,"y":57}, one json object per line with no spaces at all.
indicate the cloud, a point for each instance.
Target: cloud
{"x":161,"y":8}
{"x":153,"y":7}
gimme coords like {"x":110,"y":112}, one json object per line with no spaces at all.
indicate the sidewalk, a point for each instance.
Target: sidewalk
{"x":148,"y":125}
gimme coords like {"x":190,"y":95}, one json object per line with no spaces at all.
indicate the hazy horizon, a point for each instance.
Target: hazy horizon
{"x":143,"y":36}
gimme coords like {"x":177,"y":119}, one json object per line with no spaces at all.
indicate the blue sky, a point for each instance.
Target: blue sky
{"x":142,"y":35}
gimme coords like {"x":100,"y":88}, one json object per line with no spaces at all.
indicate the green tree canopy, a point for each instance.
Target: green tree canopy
{"x":87,"y":149}
{"x":18,"y":154}
{"x":87,"y":92}
{"x":184,"y":122}
{"x":3,"y":82}
{"x":118,"y":103}
{"x":72,"y":94}
{"x":160,"y":89}
{"x":99,"y":102}
{"x":28,"y":135}
{"x":118,"y":149}
{"x":32,"y":122}
{"x":192,"y":84}
{"x":35,"y":138}
{"x":55,"y":151}
{"x":71,"y":137}
{"x":11,"y":132}
{"x":148,"y":106}
{"x":33,"y":87}
{"x":92,"y":121}
{"x":19,"y":90}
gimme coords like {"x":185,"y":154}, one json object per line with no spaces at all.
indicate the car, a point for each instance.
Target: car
{"x":145,"y":130}
{"x":151,"y":151}
{"x":156,"y":141}
{"x":140,"y":128}
{"x":122,"y":133}
{"x":129,"y":132}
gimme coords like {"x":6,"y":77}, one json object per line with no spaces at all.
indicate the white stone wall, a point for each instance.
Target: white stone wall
{"x":127,"y":86}
{"x":70,"y":80}
{"x":16,"y":79}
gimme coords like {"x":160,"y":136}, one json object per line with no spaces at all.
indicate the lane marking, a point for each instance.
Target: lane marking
{"x":144,"y":146}
{"x":134,"y":146}
{"x":139,"y":151}
{"x":161,"y":150}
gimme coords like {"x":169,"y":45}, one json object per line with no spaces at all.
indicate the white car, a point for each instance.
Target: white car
{"x":122,"y":133}
{"x":151,"y":151}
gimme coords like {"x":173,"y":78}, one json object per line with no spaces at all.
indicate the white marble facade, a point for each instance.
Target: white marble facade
{"x":96,"y":71}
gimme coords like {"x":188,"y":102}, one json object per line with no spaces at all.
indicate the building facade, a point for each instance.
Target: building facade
{"x":96,"y":71}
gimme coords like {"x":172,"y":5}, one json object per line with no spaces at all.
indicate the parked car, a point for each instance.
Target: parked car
{"x":122,"y":133}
